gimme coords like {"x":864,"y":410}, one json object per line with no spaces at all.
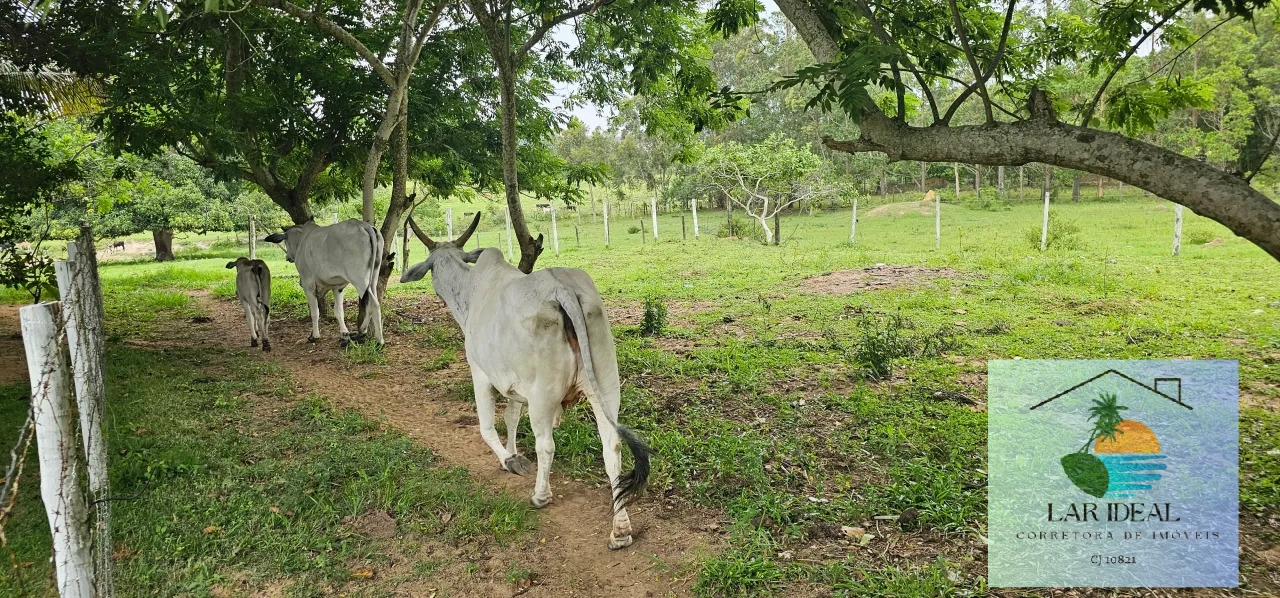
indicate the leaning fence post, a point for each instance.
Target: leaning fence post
{"x":684,"y":236}
{"x":604,"y":205}
{"x":77,"y":285}
{"x":577,"y":238}
{"x":60,"y":485}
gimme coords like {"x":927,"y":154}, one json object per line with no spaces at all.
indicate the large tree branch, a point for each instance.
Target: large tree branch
{"x":337,"y":31}
{"x":1205,"y":189}
{"x":885,"y":38}
{"x":1093,"y":104}
{"x":548,"y":25}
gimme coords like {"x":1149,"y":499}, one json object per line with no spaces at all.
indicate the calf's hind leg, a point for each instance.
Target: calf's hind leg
{"x":514,"y":408}
{"x":253,"y":329}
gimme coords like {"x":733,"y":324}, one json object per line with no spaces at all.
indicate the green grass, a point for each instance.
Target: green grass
{"x":226,"y":476}
{"x":759,"y":400}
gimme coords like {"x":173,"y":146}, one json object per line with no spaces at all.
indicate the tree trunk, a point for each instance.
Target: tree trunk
{"x":884,"y":182}
{"x":924,"y":173}
{"x":1000,"y":179}
{"x":777,"y":227}
{"x":529,"y":249}
{"x":1075,"y":189}
{"x":977,"y":180}
{"x":1022,"y":182}
{"x":164,"y":244}
{"x":955,"y":169}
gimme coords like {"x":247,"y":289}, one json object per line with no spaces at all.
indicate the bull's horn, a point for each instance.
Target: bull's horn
{"x":462,"y":241}
{"x":421,"y":235}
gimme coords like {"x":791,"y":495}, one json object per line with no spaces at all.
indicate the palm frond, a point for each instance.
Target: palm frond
{"x":49,"y":90}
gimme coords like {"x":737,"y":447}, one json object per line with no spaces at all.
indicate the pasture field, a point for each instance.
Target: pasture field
{"x":795,"y":393}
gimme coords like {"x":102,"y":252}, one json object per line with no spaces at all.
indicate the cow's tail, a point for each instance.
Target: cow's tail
{"x":375,"y":263}
{"x":632,"y":483}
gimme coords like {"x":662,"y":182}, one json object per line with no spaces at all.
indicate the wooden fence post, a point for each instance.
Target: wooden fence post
{"x":955,"y":167}
{"x":642,"y":231}
{"x":253,"y":241}
{"x":684,"y":236}
{"x":1177,"y":229}
{"x":510,"y":253}
{"x":555,"y":231}
{"x":937,"y":221}
{"x":81,"y":319}
{"x":693,"y":203}
{"x":404,"y":246}
{"x":60,"y":485}
{"x":853,"y":224}
{"x":577,"y":238}
{"x":604,"y":207}
{"x":1044,"y":228}
{"x":448,"y":222}
{"x":653,"y":211}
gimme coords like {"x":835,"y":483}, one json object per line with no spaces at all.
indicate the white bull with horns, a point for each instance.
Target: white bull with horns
{"x":539,"y":339}
{"x":328,"y":259}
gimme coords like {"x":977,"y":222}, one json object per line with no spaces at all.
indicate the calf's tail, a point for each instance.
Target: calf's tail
{"x":375,"y":263}
{"x":632,"y":483}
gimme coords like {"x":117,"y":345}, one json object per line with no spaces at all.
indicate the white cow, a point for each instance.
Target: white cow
{"x":328,"y":259}
{"x":253,"y":289}
{"x":539,"y":339}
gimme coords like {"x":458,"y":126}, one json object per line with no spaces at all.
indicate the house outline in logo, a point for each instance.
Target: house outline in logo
{"x":1109,"y":471}
{"x":1153,"y":388}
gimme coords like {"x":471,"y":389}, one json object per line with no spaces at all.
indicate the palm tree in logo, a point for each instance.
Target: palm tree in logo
{"x":1087,"y":471}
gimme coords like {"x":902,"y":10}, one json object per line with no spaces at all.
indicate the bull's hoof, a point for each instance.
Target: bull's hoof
{"x":253,"y":342}
{"x":538,"y":503}
{"x":313,"y":339}
{"x":518,"y":464}
{"x":359,"y":339}
{"x":266,"y":346}
{"x":344,"y":342}
{"x":619,"y":543}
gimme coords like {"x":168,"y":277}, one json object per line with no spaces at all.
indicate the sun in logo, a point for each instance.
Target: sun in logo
{"x":1126,"y":454}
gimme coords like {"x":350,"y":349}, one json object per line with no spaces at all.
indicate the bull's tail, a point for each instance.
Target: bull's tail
{"x":632,"y":483}
{"x":375,"y":263}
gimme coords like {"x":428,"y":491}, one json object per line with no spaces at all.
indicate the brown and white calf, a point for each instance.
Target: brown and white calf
{"x":253,"y":289}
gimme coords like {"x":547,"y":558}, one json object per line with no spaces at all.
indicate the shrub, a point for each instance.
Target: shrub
{"x":1197,"y":236}
{"x":655,"y":316}
{"x":633,"y":230}
{"x":885,"y":338}
{"x":742,"y":227}
{"x":1064,"y":233}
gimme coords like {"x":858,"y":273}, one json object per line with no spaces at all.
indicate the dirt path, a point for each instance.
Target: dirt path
{"x":12,"y":369}
{"x":567,"y":551}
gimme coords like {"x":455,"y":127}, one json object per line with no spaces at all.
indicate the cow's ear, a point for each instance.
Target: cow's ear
{"x":472,"y":256}
{"x":274,"y":238}
{"x":231,"y":265}
{"x":416,"y":272}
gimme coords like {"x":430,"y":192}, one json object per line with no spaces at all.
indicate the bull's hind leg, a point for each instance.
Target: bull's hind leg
{"x":620,"y":535}
{"x":341,"y":316}
{"x":542,"y":418}
{"x":514,"y":408}
{"x":486,"y":405}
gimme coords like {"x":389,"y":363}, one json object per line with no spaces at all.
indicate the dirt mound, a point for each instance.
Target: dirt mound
{"x":924,"y":208}
{"x":874,"y":278}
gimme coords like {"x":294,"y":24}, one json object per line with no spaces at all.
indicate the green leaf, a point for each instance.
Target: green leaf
{"x":1087,"y":472}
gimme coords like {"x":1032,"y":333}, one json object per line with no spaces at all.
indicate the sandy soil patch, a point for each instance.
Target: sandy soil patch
{"x":878,"y":277}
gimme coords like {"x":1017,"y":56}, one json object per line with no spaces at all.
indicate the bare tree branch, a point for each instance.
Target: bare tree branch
{"x":337,"y":31}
